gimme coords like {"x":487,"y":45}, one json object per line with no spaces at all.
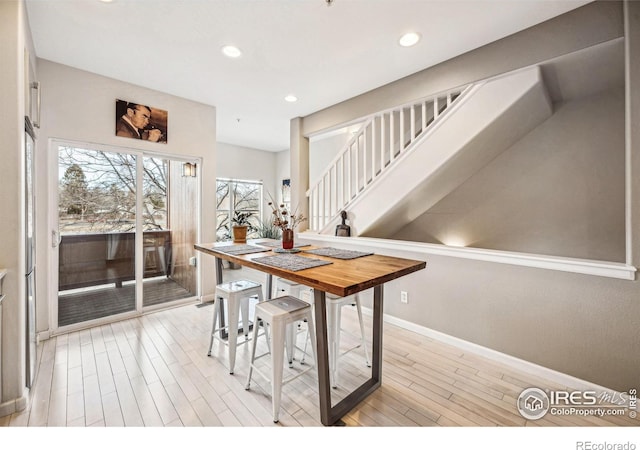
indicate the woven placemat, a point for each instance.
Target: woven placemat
{"x":276,"y":244}
{"x":337,"y":253}
{"x":293,"y":263}
{"x":240,"y":249}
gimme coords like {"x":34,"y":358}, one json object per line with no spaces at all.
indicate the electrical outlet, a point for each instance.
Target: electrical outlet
{"x":404,"y":297}
{"x":193,"y":261}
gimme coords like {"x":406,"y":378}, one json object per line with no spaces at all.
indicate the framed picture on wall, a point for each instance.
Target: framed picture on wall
{"x":138,"y":121}
{"x":286,"y":191}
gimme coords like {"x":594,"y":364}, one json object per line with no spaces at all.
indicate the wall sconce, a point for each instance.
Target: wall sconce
{"x":188,"y":170}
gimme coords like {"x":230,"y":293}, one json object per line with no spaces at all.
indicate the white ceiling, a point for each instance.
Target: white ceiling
{"x":322,"y":54}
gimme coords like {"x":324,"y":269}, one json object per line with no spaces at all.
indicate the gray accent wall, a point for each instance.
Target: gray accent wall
{"x":581,"y":325}
{"x":558,"y":191}
{"x":244,"y":163}
{"x":584,"y":326}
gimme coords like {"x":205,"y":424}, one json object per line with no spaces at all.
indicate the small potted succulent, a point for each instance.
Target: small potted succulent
{"x":240,"y":226}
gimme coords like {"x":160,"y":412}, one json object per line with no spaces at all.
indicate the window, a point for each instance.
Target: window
{"x":237,"y":195}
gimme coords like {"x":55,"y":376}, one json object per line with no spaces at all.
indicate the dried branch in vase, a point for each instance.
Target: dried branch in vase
{"x":282,"y":218}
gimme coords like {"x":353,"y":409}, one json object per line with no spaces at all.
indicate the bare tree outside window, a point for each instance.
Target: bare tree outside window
{"x":236,"y":195}
{"x":98,"y":192}
{"x":75,"y":197}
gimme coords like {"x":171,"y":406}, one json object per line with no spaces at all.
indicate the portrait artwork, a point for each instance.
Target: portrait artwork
{"x":140,"y":121}
{"x":286,"y":190}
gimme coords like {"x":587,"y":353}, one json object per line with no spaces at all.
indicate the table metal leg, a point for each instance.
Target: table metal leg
{"x":269,"y":286}
{"x":322,"y":356}
{"x":378,"y":323}
{"x":331,"y":415}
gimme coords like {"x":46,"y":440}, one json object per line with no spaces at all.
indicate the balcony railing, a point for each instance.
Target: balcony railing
{"x":95,"y":259}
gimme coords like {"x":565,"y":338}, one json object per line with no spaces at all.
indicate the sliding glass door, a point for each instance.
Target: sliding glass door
{"x":170,"y":197}
{"x":126,"y":225}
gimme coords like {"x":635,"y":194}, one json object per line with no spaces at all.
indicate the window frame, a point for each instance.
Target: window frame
{"x":232,"y":206}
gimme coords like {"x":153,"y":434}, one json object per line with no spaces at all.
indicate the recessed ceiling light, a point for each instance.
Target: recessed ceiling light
{"x":231,"y":51}
{"x":409,"y":39}
{"x":106,"y":1}
{"x":291,"y":98}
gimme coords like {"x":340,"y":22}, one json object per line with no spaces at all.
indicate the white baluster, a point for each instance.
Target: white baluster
{"x":311,"y":216}
{"x":357,"y":164}
{"x":341,"y":184}
{"x":312,"y":212}
{"x":324,"y":196}
{"x":424,"y":116}
{"x":318,"y":203}
{"x":392,"y":152}
{"x":382,"y":142}
{"x":329,"y":195}
{"x":413,"y":122}
{"x":401,"y":137}
{"x":336,"y":199}
{"x":365,"y":150}
{"x":316,"y":208}
{"x":343,"y":192}
{"x":334,"y":188}
{"x":349,"y":175}
{"x":327,"y":198}
{"x":373,"y":149}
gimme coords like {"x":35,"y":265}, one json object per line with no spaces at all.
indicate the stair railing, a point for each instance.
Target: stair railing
{"x":380,"y":141}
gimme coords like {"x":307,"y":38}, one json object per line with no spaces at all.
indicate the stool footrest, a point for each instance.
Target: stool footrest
{"x":285,"y":380}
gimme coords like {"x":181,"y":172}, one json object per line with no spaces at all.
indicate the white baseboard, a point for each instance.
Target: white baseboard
{"x":15,"y":405}
{"x":207,"y":298}
{"x":43,"y":336}
{"x":516,"y":363}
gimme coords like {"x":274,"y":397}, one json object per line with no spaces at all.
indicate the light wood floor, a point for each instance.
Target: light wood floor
{"x":154,"y":371}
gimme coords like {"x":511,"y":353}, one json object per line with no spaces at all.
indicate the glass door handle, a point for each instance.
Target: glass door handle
{"x":36,"y":85}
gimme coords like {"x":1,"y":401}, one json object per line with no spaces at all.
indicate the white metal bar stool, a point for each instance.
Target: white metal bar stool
{"x":237,"y":294}
{"x":334,"y":324}
{"x":288,"y":287}
{"x":279,"y":313}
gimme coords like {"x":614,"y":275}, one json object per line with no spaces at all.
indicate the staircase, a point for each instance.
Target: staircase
{"x":375,"y":147}
{"x":405,"y":159}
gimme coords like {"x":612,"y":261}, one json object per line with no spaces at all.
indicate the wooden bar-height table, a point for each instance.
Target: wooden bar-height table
{"x":342,"y":278}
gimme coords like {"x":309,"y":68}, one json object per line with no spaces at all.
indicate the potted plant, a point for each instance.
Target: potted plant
{"x":240,"y":226}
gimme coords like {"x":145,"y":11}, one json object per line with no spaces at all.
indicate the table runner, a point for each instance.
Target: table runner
{"x":337,"y":253}
{"x":240,"y":249}
{"x":290,"y":262}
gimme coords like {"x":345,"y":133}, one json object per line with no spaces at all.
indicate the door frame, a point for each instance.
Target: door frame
{"x":54,"y":235}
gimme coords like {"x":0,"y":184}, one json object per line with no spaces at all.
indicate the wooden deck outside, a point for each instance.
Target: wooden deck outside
{"x":98,"y":303}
